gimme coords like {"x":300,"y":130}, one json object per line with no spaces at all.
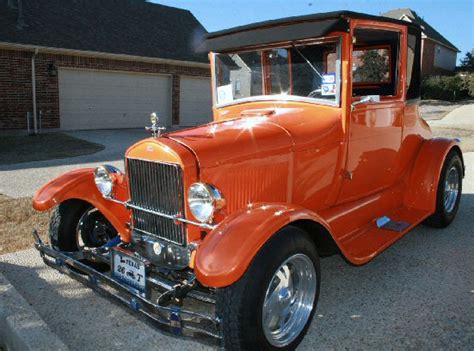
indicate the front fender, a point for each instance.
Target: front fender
{"x":424,"y":178}
{"x":79,"y":184}
{"x":227,"y":251}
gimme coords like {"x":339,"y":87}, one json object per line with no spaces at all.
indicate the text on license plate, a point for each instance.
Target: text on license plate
{"x":129,"y":270}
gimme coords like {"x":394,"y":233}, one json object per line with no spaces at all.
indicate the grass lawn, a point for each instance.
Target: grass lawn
{"x":18,"y":149}
{"x":17,"y":220}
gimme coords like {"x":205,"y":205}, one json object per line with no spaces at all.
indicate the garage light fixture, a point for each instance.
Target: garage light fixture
{"x":52,"y":70}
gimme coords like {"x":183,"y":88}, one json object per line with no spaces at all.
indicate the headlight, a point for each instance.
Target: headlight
{"x":104,"y":177}
{"x":204,"y":200}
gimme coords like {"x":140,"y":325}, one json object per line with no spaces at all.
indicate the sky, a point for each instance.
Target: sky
{"x":454,"y":19}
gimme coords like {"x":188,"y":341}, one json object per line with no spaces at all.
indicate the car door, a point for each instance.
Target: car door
{"x":376,"y":117}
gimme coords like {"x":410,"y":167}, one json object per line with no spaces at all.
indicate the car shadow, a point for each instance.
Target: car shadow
{"x":116,"y":142}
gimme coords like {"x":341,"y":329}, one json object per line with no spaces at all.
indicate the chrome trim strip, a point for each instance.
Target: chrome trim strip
{"x":153,"y":161}
{"x":279,"y":98}
{"x":127,"y":205}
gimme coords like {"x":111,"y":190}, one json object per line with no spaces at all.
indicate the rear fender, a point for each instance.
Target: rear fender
{"x":424,"y":178}
{"x":227,"y":251}
{"x":79,"y":184}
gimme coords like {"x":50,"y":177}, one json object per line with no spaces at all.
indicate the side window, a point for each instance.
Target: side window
{"x":375,"y":56}
{"x":279,"y":70}
{"x":413,"y":64}
{"x":371,"y":65}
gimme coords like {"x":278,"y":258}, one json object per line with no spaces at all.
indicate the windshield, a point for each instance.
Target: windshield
{"x":301,"y":72}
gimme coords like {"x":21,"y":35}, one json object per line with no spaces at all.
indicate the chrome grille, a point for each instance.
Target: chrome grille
{"x":158,"y":187}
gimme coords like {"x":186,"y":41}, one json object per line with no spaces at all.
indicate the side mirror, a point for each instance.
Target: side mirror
{"x":366,"y":99}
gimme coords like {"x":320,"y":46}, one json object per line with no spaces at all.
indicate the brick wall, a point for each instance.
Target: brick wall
{"x":427,"y":60}
{"x":16,"y":92}
{"x":15,"y":89}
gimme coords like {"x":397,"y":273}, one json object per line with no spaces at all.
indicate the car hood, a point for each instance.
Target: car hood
{"x":235,"y":140}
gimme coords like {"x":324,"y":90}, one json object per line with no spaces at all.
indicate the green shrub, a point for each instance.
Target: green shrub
{"x":448,"y":87}
{"x":468,"y":83}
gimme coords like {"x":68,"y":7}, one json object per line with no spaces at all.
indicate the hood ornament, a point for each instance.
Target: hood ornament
{"x":155,"y":129}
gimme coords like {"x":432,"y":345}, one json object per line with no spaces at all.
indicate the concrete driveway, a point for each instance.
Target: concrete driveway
{"x":462,"y":117}
{"x":419,"y":294}
{"x":24,"y":179}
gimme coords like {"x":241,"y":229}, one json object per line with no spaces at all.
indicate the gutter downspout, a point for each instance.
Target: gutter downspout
{"x":33,"y":85}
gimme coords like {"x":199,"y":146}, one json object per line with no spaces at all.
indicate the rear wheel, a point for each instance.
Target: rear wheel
{"x":76,"y":226}
{"x":272,"y":305}
{"x":449,"y":192}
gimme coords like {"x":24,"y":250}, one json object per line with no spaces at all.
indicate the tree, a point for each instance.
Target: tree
{"x":467,"y":63}
{"x":373,"y":67}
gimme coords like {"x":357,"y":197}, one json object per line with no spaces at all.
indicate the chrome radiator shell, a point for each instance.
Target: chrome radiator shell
{"x":157,"y":186}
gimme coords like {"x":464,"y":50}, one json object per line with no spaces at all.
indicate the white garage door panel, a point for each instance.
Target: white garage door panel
{"x":195,"y":104}
{"x":100,"y":99}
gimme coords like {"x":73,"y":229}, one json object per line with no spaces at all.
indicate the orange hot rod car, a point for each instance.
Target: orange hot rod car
{"x":316,"y":147}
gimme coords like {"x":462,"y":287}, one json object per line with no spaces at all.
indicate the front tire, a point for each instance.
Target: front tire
{"x":449,"y":192}
{"x":272,"y":305}
{"x":76,"y":225}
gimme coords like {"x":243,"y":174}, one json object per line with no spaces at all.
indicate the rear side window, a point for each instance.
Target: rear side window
{"x":371,"y":65}
{"x":413,"y":64}
{"x":375,"y":55}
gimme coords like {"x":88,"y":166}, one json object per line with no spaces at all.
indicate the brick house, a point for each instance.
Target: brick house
{"x":438,"y":54}
{"x":84,"y":64}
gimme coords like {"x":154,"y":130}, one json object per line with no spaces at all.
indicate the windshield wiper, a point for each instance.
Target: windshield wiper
{"x":308,"y":62}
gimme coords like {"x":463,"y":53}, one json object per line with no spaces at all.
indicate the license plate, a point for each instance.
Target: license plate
{"x":129,"y":270}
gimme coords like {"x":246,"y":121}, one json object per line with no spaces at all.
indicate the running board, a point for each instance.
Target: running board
{"x":394,"y":226}
{"x":365,"y":243}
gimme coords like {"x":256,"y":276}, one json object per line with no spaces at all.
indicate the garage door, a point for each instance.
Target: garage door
{"x":91,"y":99}
{"x":195,"y":104}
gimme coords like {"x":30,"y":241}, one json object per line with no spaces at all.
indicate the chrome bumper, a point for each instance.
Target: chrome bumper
{"x":171,"y":319}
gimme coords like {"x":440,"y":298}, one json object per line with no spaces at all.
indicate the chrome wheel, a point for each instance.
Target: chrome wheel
{"x":289,"y":300}
{"x":451,"y":189}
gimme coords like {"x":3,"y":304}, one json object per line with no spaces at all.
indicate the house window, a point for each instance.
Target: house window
{"x":237,"y":87}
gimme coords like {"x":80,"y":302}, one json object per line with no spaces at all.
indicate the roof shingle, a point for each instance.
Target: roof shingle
{"x":130,"y":27}
{"x":428,"y":30}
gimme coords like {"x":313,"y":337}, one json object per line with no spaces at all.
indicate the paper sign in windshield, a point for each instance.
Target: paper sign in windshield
{"x":329,"y":78}
{"x":328,"y":86}
{"x":224,"y":94}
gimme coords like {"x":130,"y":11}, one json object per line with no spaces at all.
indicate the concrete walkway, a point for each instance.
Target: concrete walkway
{"x":460,"y":118}
{"x":21,"y":328}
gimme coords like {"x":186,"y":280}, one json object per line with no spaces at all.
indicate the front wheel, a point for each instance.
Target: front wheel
{"x":272,"y":305}
{"x":77,"y":226}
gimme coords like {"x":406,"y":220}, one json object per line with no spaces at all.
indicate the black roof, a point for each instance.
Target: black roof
{"x":130,"y":27}
{"x":289,"y":28}
{"x":304,"y":18}
{"x":428,"y":30}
